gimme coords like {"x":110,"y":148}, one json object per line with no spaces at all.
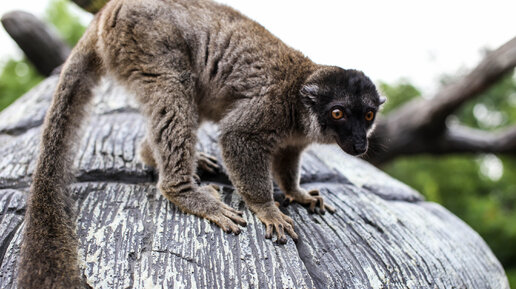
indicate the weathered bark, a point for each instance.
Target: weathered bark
{"x":42,"y":46}
{"x":420,"y":125}
{"x":383,"y":235}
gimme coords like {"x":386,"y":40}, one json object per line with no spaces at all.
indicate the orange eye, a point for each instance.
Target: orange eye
{"x":369,"y":116}
{"x":337,"y":114}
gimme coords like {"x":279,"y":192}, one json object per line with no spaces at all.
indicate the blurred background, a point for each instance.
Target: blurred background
{"x":417,"y":53}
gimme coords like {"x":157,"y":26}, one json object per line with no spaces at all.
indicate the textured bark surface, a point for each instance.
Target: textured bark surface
{"x":383,"y":235}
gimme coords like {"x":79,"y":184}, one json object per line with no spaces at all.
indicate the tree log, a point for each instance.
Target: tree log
{"x":42,"y":46}
{"x":420,"y":125}
{"x":383,"y":235}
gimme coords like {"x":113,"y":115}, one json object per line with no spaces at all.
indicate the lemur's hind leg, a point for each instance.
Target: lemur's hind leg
{"x":170,"y":146}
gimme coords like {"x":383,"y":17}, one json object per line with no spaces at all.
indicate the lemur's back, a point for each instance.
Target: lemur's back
{"x":230,"y":55}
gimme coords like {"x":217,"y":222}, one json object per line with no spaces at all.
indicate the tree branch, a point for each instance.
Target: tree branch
{"x":432,"y":113}
{"x":467,"y":140}
{"x":41,"y":45}
{"x":420,"y":125}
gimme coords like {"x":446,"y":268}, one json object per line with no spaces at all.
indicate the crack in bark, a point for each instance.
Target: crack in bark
{"x":7,"y":241}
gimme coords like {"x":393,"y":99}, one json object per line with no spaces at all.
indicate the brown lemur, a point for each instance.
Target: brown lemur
{"x":190,"y":61}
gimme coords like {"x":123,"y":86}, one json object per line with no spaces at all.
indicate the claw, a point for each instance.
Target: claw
{"x":268,"y":233}
{"x":312,"y":199}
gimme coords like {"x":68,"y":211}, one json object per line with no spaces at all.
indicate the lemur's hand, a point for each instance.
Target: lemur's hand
{"x":275,"y":221}
{"x":311,"y":198}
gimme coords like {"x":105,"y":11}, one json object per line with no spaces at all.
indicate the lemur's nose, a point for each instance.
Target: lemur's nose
{"x":360,"y":148}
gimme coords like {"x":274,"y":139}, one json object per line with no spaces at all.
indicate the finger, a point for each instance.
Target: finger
{"x":288,"y":220}
{"x":311,"y":209}
{"x":322,"y":209}
{"x":208,"y":161}
{"x":233,"y":228}
{"x":240,"y":213}
{"x":210,"y":166}
{"x":208,"y":156}
{"x":235,"y":218}
{"x":330,"y":208}
{"x":214,"y":164}
{"x":268,"y":233}
{"x":280,"y":232}
{"x":219,"y":221}
{"x":314,"y":192}
{"x":291,"y":232}
{"x":207,"y":169}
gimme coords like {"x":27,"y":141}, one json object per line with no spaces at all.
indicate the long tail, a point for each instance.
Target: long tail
{"x":49,"y":256}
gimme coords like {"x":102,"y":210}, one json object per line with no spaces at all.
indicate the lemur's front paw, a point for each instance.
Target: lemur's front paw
{"x":224,"y":216}
{"x":311,"y":198}
{"x":207,"y":163}
{"x":205,"y":202}
{"x":275,"y":221}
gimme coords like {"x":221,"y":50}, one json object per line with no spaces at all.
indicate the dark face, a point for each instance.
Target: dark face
{"x":346,"y":103}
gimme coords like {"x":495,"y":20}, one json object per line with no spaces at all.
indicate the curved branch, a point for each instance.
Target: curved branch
{"x":420,"y":125}
{"x":42,"y":46}
{"x":467,"y":140}
{"x":432,"y":113}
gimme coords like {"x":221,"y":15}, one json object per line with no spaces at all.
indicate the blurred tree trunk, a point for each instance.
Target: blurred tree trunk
{"x":92,"y":6}
{"x":420,"y":126}
{"x":42,"y":46}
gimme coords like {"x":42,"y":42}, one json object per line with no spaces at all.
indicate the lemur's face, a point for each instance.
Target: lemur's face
{"x":346,"y":103}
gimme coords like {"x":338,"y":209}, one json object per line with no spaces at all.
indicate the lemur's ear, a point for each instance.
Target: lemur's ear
{"x":382,"y":99}
{"x":309,"y":93}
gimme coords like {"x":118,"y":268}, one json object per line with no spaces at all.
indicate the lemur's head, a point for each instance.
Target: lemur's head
{"x":344,"y":104}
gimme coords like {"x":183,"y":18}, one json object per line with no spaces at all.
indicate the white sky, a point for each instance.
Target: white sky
{"x":388,"y":40}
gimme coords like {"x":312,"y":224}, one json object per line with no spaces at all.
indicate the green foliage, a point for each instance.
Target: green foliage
{"x":16,"y":78}
{"x":67,"y":24}
{"x":19,"y":76}
{"x":511,"y":273}
{"x":397,"y":94}
{"x":481,"y":189}
{"x":493,"y":109}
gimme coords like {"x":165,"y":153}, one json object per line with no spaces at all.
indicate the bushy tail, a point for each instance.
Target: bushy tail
{"x":49,"y":256}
